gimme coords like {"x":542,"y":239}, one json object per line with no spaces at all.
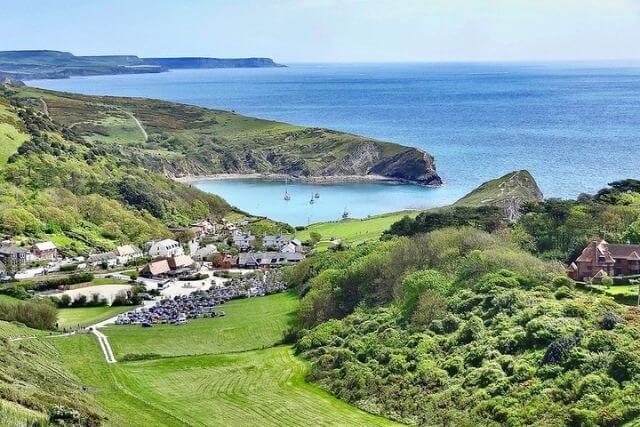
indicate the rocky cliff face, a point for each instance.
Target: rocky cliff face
{"x":411,"y":165}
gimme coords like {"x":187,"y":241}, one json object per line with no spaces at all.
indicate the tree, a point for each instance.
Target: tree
{"x":315,"y":237}
{"x":416,"y":284}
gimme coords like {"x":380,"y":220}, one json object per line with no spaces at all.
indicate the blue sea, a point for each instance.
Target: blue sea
{"x":575,"y":126}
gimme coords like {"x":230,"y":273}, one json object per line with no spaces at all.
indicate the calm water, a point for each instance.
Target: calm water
{"x":574,"y":126}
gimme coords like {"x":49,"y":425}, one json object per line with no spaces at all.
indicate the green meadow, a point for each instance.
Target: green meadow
{"x":86,"y":316}
{"x":354,"y":231}
{"x":225,"y":371}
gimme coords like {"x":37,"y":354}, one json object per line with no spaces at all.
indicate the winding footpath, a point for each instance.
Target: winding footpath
{"x":104,"y":345}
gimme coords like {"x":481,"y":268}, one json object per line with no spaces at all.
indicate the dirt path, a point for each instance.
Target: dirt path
{"x":104,"y":345}
{"x":135,"y":119}
{"x":45,"y":107}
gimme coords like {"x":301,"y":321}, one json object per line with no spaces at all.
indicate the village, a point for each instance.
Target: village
{"x":166,"y":280}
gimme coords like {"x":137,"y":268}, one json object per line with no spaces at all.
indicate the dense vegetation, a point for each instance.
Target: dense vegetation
{"x":83,"y":194}
{"x":560,"y":229}
{"x":459,"y":326}
{"x":552,"y":228}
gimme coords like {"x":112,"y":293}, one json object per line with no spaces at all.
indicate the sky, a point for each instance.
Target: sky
{"x":330,"y":30}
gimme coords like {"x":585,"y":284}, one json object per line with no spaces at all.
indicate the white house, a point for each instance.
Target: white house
{"x":165,"y":248}
{"x":127,"y":253}
{"x":203,"y":253}
{"x":103,"y":260}
{"x":274,"y":242}
{"x":243,"y":241}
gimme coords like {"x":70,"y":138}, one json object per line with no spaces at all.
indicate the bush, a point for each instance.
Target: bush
{"x":606,"y":281}
{"x":625,"y":365}
{"x":37,"y":314}
{"x":472,"y":330}
{"x":558,"y":350}
{"x":416,"y":284}
{"x":15,"y":291}
{"x":68,"y":267}
{"x":64,"y":281}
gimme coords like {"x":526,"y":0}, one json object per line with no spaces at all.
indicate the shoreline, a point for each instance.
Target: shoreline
{"x":331,"y":179}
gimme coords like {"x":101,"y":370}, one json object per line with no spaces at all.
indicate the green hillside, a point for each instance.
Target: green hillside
{"x":84,"y":194}
{"x":35,"y":386}
{"x":223,"y":371}
{"x":462,"y":327}
{"x":178,"y":140}
{"x":508,"y":191}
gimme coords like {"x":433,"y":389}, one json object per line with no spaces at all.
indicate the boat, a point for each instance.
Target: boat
{"x":311,"y":201}
{"x":287,"y":197}
{"x":345,"y":214}
{"x":316,"y":196}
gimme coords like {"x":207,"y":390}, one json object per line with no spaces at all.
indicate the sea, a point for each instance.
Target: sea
{"x":574,"y":126}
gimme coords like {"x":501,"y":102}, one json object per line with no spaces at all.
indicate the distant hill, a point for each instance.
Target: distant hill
{"x":51,"y":64}
{"x":508,"y":192}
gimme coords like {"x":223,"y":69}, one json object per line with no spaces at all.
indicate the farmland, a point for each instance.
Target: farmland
{"x":223,"y":371}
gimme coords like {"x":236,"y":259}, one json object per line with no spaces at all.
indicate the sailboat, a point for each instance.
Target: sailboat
{"x":311,"y":201}
{"x":345,"y":214}
{"x":287,"y":197}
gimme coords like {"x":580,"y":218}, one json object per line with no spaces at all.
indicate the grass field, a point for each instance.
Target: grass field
{"x":248,"y":325}
{"x":354,"y":231}
{"x":85,"y":316}
{"x":219,"y":373}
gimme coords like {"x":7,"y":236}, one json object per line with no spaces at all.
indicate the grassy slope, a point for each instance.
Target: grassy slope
{"x":248,"y":325}
{"x":33,"y":380}
{"x":354,"y":231}
{"x":11,"y":134}
{"x":518,"y":184}
{"x":202,"y":141}
{"x":85,"y":316}
{"x":244,"y":386}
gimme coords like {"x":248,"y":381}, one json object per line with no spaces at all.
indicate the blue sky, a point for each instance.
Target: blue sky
{"x":330,"y":30}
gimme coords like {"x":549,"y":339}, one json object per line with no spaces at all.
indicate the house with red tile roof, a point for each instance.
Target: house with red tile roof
{"x":600,"y":259}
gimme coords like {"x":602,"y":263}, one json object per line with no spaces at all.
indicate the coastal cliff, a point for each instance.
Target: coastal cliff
{"x":51,"y":64}
{"x":184,"y":141}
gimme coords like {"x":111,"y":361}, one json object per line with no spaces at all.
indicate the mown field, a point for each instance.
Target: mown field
{"x":354,"y":231}
{"x":248,"y":325}
{"x":85,"y":316}
{"x":224,"y":371}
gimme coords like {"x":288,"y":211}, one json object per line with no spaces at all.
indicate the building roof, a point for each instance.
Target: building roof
{"x":11,"y":250}
{"x":600,"y":274}
{"x":600,"y":249}
{"x":180,"y":261}
{"x":105,"y":256}
{"x":166,"y":243}
{"x":45,"y":246}
{"x":156,"y":268}
{"x":125,"y":250}
{"x":268,"y":258}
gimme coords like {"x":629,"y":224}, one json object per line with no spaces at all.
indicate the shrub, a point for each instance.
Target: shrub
{"x":416,"y":284}
{"x":38,"y":314}
{"x":559,"y":349}
{"x":431,"y":306}
{"x":606,"y":281}
{"x":472,"y":329}
{"x":625,"y":365}
{"x":15,"y":291}
{"x":610,"y":320}
{"x":68,"y":267}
